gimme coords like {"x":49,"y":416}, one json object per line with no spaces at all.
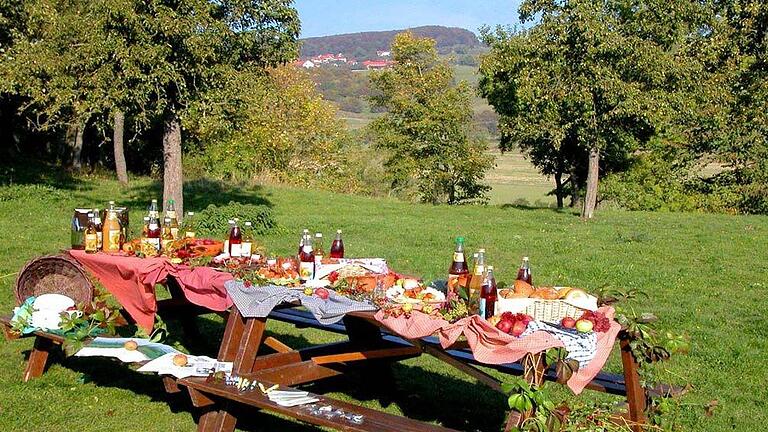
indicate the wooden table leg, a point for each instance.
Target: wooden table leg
{"x":365,"y":335}
{"x":38,"y":358}
{"x":635,"y":392}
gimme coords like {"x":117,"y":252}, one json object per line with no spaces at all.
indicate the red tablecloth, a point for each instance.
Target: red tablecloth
{"x":490,"y":345}
{"x":132,"y":281}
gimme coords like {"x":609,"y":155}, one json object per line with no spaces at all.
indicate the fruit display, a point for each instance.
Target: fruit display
{"x":413,"y":292}
{"x":513,"y":324}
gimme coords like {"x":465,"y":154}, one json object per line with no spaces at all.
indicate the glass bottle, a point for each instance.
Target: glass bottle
{"x":99,"y":227}
{"x":488,"y":295}
{"x":337,"y":247}
{"x":524,"y":272}
{"x":304,"y":235}
{"x":189,"y":225}
{"x":170,"y":213}
{"x":458,"y":272}
{"x":112,"y":230}
{"x":167,"y":238}
{"x":231,"y":223}
{"x":246,"y":248}
{"x":306,"y":261}
{"x":145,"y":228}
{"x":318,"y":251}
{"x":476,"y":280}
{"x":235,"y":241}
{"x":154,"y":232}
{"x":91,"y":238}
{"x":153,"y":210}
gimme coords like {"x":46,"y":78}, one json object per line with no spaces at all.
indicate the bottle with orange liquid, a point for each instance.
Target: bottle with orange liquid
{"x":458,"y":272}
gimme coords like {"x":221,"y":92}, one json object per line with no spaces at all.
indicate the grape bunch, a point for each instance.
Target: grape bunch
{"x":599,"y":320}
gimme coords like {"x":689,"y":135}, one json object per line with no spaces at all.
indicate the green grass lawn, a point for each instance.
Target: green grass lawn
{"x":706,"y":275}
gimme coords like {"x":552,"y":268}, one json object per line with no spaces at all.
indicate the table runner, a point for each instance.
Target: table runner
{"x":490,"y":345}
{"x":259,"y":301}
{"x":131,"y":280}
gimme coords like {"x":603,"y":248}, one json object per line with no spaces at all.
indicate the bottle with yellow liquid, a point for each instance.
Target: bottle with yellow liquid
{"x":112,"y":231}
{"x":475,"y":286}
{"x":91,"y":236}
{"x":167,"y":237}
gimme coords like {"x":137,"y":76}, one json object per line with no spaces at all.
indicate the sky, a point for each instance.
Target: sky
{"x":328,"y":17}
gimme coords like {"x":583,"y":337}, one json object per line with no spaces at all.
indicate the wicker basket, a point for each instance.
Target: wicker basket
{"x":57,"y":274}
{"x":552,"y":310}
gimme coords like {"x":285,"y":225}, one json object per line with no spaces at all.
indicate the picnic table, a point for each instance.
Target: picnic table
{"x":370,"y":347}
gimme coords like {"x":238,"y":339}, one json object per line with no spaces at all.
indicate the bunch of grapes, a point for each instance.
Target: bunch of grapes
{"x":456,"y":311}
{"x":599,"y":320}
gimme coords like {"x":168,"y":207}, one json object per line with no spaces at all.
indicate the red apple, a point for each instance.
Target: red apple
{"x":568,"y":322}
{"x":504,"y":325}
{"x":322,"y":293}
{"x":518,"y":328}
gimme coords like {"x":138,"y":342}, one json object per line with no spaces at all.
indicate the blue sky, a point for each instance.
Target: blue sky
{"x":327,"y":17}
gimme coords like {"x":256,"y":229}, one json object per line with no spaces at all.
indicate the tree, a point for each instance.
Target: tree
{"x":427,"y":130}
{"x":592,"y":78}
{"x":149,"y":59}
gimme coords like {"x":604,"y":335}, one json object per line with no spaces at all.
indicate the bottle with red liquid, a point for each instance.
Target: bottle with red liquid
{"x":306,"y":260}
{"x":524,"y":273}
{"x":304,"y":235}
{"x":337,"y":247}
{"x":154,"y":231}
{"x":458,"y":272}
{"x":235,"y":241}
{"x":488,"y":295}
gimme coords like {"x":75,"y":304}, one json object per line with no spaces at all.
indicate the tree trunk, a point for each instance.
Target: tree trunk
{"x":117,"y":140}
{"x":173,"y":180}
{"x":559,"y":189}
{"x":77,"y":148}
{"x":593,"y":171}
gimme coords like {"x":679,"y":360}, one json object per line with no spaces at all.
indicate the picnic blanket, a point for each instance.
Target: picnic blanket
{"x":492,"y":346}
{"x":258,"y":301}
{"x":132,"y":281}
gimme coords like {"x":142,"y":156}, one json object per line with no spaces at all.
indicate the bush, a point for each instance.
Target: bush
{"x":213,"y":221}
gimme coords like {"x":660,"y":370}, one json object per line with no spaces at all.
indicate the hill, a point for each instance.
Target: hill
{"x":364,"y":45}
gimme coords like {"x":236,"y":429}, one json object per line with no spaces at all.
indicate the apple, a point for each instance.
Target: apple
{"x":505,"y":326}
{"x":568,"y":322}
{"x":584,"y":326}
{"x":180,"y":360}
{"x":518,"y":328}
{"x":131,"y":345}
{"x":322,"y":293}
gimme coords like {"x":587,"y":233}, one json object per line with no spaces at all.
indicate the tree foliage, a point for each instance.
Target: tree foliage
{"x":427,"y":130}
{"x":591,"y":75}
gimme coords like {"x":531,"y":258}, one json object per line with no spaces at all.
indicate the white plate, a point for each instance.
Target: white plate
{"x":53,"y":302}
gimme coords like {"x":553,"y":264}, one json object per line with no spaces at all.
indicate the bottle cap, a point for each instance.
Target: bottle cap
{"x":111,"y":202}
{"x":154,"y":200}
{"x":248,"y":224}
{"x":459,"y":239}
{"x":338,"y":231}
{"x":318,"y":234}
{"x":482,"y":250}
{"x":231,"y":221}
{"x":190,"y":213}
{"x":490,"y":267}
{"x":146,"y":218}
{"x":525,"y":258}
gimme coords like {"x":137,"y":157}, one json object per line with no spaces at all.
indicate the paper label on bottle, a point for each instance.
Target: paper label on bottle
{"x":114,"y":240}
{"x":153,"y":226}
{"x":482,"y":309}
{"x":307,"y":270}
{"x":91,"y":242}
{"x":458,"y":257}
{"x":100,"y":236}
{"x":189,"y":234}
{"x":175,"y":232}
{"x":170,"y":214}
{"x":235,"y":250}
{"x":306,"y":249}
{"x":245,"y":249}
{"x":318,"y":260}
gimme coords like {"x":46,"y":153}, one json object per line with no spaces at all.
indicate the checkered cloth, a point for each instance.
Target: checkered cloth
{"x":258,"y":301}
{"x":581,"y":347}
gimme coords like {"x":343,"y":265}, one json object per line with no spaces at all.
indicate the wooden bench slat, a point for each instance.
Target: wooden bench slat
{"x":374,"y":421}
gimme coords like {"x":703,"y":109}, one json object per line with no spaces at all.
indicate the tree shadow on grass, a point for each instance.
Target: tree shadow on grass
{"x":200,"y":193}
{"x":25,"y":171}
{"x":524,"y":204}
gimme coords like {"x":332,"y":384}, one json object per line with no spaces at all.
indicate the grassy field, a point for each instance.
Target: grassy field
{"x":706,"y":275}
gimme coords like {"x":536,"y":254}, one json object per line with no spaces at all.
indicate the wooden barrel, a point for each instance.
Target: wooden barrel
{"x":55,"y":274}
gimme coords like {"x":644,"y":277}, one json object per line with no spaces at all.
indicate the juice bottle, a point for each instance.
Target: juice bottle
{"x":154,"y":232}
{"x":145,"y":228}
{"x":246,"y":248}
{"x":458,"y":272}
{"x":170,"y":213}
{"x":152,"y":210}
{"x":99,"y":227}
{"x":112,"y":231}
{"x":318,"y":251}
{"x":235,"y":241}
{"x":304,"y":235}
{"x":337,"y":247}
{"x":167,"y":238}
{"x":524,"y":272}
{"x":189,"y":225}
{"x":488,"y":295}
{"x":91,"y":238}
{"x":229,"y":232}
{"x":306,"y":261}
{"x":476,"y":281}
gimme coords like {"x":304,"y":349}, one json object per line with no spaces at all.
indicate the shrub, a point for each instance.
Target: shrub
{"x":212,"y":222}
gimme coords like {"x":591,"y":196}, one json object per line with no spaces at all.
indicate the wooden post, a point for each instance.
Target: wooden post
{"x":635,"y":392}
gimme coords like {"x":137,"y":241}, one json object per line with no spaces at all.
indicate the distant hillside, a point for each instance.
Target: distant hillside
{"x":364,"y":45}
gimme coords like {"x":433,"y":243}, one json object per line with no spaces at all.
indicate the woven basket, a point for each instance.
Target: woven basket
{"x":56,"y":274}
{"x":552,"y":310}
